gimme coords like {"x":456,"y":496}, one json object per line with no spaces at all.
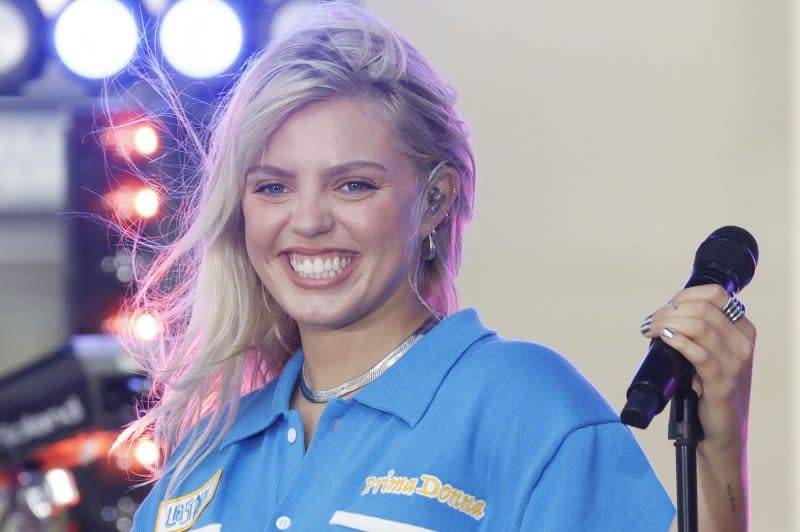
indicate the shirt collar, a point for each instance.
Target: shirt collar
{"x":421,"y":370}
{"x":260,"y":409}
{"x":407,"y":388}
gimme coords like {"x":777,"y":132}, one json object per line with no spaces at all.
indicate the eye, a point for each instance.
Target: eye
{"x":355,"y":187}
{"x":272,"y":189}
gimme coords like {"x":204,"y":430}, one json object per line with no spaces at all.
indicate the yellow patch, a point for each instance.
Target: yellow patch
{"x":181,"y":513}
{"x":429,"y":486}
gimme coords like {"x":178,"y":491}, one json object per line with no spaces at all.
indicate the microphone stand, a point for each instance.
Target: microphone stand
{"x":685,"y":430}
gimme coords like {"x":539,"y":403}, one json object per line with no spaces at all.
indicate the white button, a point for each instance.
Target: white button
{"x":283,"y":522}
{"x":292,"y":437}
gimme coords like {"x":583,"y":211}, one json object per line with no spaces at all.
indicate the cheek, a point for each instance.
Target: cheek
{"x":259,"y":221}
{"x":259,"y":233}
{"x":250,"y":248}
{"x":250,"y":232}
{"x":407,"y":224}
{"x":398,"y":234}
{"x":383,"y":227}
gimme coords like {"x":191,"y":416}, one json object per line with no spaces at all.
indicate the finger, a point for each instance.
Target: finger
{"x":707,"y":366}
{"x":702,"y":322}
{"x":697,"y":385}
{"x":707,"y":337}
{"x":732,"y":361}
{"x":709,"y":292}
{"x":717,"y":296}
{"x":740,"y":336}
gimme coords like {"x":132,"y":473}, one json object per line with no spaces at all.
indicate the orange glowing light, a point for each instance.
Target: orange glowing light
{"x":146,"y":202}
{"x":75,"y":451}
{"x":146,"y":452}
{"x":146,"y":327}
{"x":133,"y":202}
{"x":121,"y":201}
{"x":145,"y":139}
{"x":63,"y":488}
{"x":132,"y":138}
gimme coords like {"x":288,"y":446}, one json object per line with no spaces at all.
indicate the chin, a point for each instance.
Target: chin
{"x":326,"y":320}
{"x":321,"y":314}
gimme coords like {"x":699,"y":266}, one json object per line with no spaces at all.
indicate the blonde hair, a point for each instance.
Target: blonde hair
{"x":224,"y":335}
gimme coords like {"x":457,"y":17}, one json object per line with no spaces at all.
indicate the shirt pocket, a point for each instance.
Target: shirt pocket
{"x":369,"y":523}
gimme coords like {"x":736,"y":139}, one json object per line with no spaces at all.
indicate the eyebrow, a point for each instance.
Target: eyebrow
{"x":333,"y":171}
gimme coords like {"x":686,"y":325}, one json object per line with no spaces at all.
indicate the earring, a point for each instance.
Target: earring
{"x":434,"y":195}
{"x":431,"y":246}
{"x":435,"y":198}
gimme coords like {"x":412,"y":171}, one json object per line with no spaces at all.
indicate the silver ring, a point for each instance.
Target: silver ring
{"x":733,"y":309}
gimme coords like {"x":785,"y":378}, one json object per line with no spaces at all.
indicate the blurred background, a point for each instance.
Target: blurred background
{"x":612,"y":137}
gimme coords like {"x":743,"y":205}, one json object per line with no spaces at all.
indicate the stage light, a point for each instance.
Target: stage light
{"x":201,"y":38}
{"x":129,"y":202}
{"x":288,"y":16}
{"x":51,"y":8}
{"x":156,"y":7}
{"x":60,"y":486}
{"x":146,"y":452}
{"x":146,"y":203}
{"x":127,"y":139}
{"x":145,"y":139}
{"x":16,"y":36}
{"x":143,"y":326}
{"x":146,"y":327}
{"x":20,"y":43}
{"x":96,"y":38}
{"x":35,"y":498}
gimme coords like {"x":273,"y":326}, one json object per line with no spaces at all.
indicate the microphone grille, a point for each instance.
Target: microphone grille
{"x":733,"y":248}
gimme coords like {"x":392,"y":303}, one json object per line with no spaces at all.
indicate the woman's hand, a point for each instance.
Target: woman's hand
{"x":722,"y":353}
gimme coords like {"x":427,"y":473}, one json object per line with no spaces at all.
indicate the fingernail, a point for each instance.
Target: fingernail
{"x":667,"y":333}
{"x":644,"y":328}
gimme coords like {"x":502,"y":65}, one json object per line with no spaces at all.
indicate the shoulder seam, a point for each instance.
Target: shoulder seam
{"x":558,"y":447}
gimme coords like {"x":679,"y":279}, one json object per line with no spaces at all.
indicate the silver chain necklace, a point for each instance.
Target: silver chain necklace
{"x":356,"y":383}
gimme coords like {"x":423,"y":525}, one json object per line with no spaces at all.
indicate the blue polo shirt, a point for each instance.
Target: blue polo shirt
{"x":467,"y":431}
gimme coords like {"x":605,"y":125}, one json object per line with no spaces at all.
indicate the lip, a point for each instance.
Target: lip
{"x":316,"y":251}
{"x":323,"y":283}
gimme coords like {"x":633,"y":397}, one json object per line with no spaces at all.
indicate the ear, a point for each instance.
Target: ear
{"x":439,"y":196}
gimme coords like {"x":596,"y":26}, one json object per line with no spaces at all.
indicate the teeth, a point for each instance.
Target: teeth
{"x":319,"y":267}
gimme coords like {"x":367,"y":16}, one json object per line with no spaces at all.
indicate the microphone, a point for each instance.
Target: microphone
{"x":728,"y":258}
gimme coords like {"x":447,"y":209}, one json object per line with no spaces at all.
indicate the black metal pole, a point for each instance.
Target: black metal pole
{"x":687,"y":487}
{"x":686,"y":431}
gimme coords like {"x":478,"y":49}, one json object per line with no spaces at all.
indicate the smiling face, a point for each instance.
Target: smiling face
{"x":328,"y":211}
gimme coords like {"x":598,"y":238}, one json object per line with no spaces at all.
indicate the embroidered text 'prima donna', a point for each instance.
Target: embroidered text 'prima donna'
{"x":427,"y":486}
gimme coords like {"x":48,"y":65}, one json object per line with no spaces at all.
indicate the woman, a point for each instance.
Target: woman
{"x":316,"y":280}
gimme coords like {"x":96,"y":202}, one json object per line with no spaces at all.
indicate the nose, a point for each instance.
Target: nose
{"x":311,"y":215}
